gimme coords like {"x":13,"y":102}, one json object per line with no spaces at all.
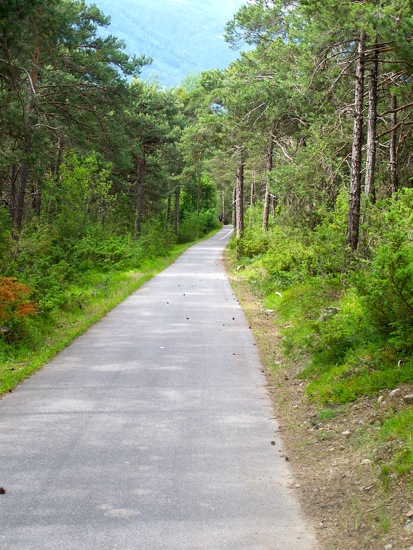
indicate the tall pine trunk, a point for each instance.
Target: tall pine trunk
{"x":176,"y":209}
{"x":240,"y":199}
{"x":355,"y":181}
{"x":18,"y":210}
{"x":234,"y":207}
{"x":371,"y":147}
{"x":140,"y":175}
{"x":252,"y":194}
{"x":18,"y":213}
{"x":267,"y":196}
{"x":168,"y":211}
{"x":59,"y":157}
{"x":36,"y":199}
{"x":198,"y":197}
{"x":21,"y":189}
{"x":199,"y":181}
{"x":394,"y":180}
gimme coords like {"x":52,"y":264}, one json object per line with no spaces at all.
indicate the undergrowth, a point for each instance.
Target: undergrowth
{"x":83,"y":303}
{"x":55,"y":282}
{"x":346,"y":318}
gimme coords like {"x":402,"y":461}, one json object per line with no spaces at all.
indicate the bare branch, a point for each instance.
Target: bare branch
{"x":398,"y":109}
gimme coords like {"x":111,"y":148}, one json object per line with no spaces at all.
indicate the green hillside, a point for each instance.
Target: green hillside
{"x":181,"y":36}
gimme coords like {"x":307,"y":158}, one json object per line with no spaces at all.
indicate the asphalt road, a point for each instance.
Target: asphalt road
{"x":152,"y":431}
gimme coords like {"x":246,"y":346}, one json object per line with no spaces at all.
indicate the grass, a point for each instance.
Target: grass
{"x":87,"y":301}
{"x":343,"y":359}
{"x":357,"y":377}
{"x":327,"y":334}
{"x":397,"y":431}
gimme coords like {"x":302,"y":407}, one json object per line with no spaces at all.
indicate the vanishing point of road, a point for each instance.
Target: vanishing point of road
{"x":152,"y":431}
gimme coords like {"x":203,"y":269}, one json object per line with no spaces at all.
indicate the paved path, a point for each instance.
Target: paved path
{"x":152,"y":431}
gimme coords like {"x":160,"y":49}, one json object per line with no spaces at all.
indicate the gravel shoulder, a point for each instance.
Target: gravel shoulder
{"x":335,"y":462}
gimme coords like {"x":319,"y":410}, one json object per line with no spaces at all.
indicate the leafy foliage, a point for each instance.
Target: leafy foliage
{"x":15,"y":305}
{"x":387,"y":278}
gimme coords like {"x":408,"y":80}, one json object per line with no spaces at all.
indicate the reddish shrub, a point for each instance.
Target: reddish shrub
{"x":15,"y":302}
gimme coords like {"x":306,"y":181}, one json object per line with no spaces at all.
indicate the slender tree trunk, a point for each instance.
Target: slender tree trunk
{"x":240,"y":199}
{"x":176,"y":209}
{"x":199,"y":181}
{"x":234,"y":207}
{"x":24,"y":168}
{"x":21,"y":190}
{"x":36,"y":199}
{"x":140,"y":175}
{"x":267,"y":196}
{"x":198,"y":196}
{"x":372,"y":125}
{"x":274,"y":203}
{"x":168,"y":211}
{"x":59,"y":157}
{"x":355,"y":181}
{"x":27,"y":147}
{"x":394,"y":180}
{"x":11,"y":204}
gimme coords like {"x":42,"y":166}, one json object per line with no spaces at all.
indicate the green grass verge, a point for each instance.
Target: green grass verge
{"x":93,"y":295}
{"x":397,"y":431}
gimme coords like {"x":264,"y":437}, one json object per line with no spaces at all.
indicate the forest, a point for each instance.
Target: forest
{"x":304,"y":142}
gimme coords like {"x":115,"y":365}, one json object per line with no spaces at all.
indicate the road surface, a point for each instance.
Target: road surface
{"x":152,"y":431}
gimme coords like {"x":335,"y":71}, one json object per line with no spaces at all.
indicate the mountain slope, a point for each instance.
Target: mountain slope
{"x":181,"y":36}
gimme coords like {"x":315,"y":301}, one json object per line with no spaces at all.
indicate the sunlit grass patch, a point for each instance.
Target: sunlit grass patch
{"x":397,"y":431}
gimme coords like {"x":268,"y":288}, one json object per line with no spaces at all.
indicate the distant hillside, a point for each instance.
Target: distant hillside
{"x":181,"y":36}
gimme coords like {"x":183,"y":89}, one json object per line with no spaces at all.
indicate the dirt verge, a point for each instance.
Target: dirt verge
{"x":333,"y":453}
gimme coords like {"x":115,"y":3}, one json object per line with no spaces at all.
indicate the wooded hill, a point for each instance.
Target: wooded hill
{"x":305,"y":141}
{"x":180,"y":37}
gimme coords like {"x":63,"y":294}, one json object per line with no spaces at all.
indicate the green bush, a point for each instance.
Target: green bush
{"x":388,"y":292}
{"x":82,"y":195}
{"x":155,"y":240}
{"x":104,"y":251}
{"x":302,"y":308}
{"x":288,"y":261}
{"x":192,"y":227}
{"x":329,"y":240}
{"x":386,"y":280}
{"x":253,"y":243}
{"x":340,"y":329}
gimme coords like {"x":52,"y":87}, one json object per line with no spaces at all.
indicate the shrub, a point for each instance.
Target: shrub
{"x":386,"y":282}
{"x":288,"y":260}
{"x":155,"y":240}
{"x":105,"y":251}
{"x":302,"y":307}
{"x":193,"y":226}
{"x":82,"y":195}
{"x":15,"y":305}
{"x":252,"y":243}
